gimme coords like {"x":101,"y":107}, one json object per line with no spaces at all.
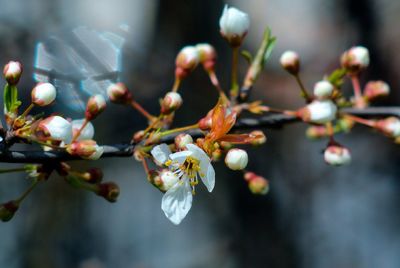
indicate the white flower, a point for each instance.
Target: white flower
{"x":55,"y":128}
{"x":87,"y":132}
{"x":188,"y":166}
{"x":236,"y":159}
{"x":319,"y":111}
{"x":323,"y":89}
{"x":234,"y":25}
{"x":43,"y":94}
{"x":337,"y":155}
{"x":290,"y":61}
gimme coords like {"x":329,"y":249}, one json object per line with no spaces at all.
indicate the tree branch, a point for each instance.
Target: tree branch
{"x":126,"y":150}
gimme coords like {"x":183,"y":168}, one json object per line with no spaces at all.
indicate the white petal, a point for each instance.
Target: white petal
{"x":180,"y":157}
{"x":87,"y":132}
{"x":177,"y":202}
{"x":161,"y":153}
{"x":207,"y":173}
{"x":198,"y":152}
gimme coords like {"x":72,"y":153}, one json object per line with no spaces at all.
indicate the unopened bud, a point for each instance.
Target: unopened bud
{"x":337,"y":155}
{"x":290,"y":61}
{"x":236,"y":159}
{"x":43,"y":94}
{"x":316,"y":132}
{"x":54,"y":128}
{"x":138,"y":136}
{"x":323,"y":89}
{"x":355,"y":59}
{"x":257,"y":137}
{"x":318,"y":111}
{"x":389,"y":126}
{"x":208,"y":56}
{"x":186,"y":61}
{"x":7,"y":210}
{"x":87,"y":149}
{"x":119,"y":93}
{"x":167,"y":180}
{"x":257,"y":184}
{"x":234,"y":25}
{"x":95,"y":175}
{"x":87,"y":132}
{"x":95,"y":105}
{"x":182,"y":140}
{"x":12,"y":72}
{"x":376,"y":89}
{"x":108,"y":190}
{"x":217,"y":155}
{"x":171,"y":102}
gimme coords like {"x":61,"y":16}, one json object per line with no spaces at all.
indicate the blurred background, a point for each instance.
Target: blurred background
{"x":314,"y":216}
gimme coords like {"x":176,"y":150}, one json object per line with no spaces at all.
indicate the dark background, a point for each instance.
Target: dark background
{"x":314,"y":216}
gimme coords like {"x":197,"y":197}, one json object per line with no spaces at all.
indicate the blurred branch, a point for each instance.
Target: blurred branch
{"x":126,"y":150}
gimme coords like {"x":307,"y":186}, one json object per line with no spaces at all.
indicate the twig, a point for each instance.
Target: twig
{"x":126,"y":149}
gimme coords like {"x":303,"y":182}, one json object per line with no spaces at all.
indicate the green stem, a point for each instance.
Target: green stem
{"x":27,"y":192}
{"x":234,"y":74}
{"x":180,"y":129}
{"x":304,"y":92}
{"x":22,"y":169}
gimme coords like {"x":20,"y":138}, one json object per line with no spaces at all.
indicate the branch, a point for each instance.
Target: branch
{"x":126,"y":150}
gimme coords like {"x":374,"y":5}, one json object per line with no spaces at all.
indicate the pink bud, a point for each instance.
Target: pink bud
{"x":95,"y":105}
{"x":182,"y":140}
{"x":389,"y":126}
{"x":257,"y":184}
{"x":119,"y":93}
{"x":234,"y":25}
{"x":186,"y":61}
{"x":355,"y":59}
{"x":208,"y":56}
{"x":337,"y":155}
{"x":290,"y":61}
{"x":12,"y":72}
{"x":87,"y":149}
{"x":318,"y":111}
{"x":376,"y":89}
{"x":43,"y":94}
{"x":54,"y":128}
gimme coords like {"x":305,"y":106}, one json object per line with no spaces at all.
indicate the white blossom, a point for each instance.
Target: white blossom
{"x":234,"y":24}
{"x":43,"y":94}
{"x":87,"y":132}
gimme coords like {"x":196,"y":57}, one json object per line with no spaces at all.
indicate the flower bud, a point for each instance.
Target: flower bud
{"x":355,"y":59}
{"x":54,"y":128}
{"x":208,"y":56}
{"x":389,"y":126}
{"x":7,"y":210}
{"x":182,"y":140}
{"x":108,"y":190}
{"x":167,"y":180}
{"x":236,"y":159}
{"x":43,"y":94}
{"x":316,"y":132}
{"x":87,"y":149}
{"x":256,"y":183}
{"x":290,"y":61}
{"x":234,"y":25}
{"x":337,"y":155}
{"x":95,"y":105}
{"x":87,"y":132}
{"x":12,"y":72}
{"x":94,"y":175}
{"x":323,"y":89}
{"x":376,"y":89}
{"x":217,"y":154}
{"x":257,"y":137}
{"x":186,"y":61}
{"x":119,"y":93}
{"x":138,"y":136}
{"x":171,"y":102}
{"x":318,"y":111}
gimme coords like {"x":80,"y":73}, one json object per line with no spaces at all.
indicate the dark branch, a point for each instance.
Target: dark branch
{"x":126,"y":150}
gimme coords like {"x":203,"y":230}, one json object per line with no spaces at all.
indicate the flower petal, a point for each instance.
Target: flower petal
{"x":207,"y":172}
{"x":180,"y":157}
{"x":161,"y":153}
{"x":198,"y":152}
{"x":177,"y":202}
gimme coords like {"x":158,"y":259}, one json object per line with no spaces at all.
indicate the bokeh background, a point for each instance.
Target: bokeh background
{"x":315,"y":216}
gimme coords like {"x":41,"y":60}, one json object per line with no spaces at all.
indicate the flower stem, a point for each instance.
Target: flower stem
{"x":78,"y":133}
{"x":215,"y":82}
{"x":27,"y":110}
{"x":180,"y":129}
{"x":234,"y":74}
{"x":304,"y":92}
{"x":141,"y":110}
{"x":359,"y":102}
{"x":176,"y":85}
{"x":27,"y":192}
{"x":22,"y":169}
{"x":362,"y":121}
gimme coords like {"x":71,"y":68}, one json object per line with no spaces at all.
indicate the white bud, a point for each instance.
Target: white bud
{"x":182,"y":140}
{"x":234,"y":25}
{"x":376,"y":89}
{"x":290,"y":61}
{"x":208,"y":56}
{"x":95,"y":105}
{"x":236,"y":159}
{"x":43,"y":94}
{"x":87,"y":149}
{"x":12,"y":72}
{"x":389,"y":126}
{"x":355,"y":59}
{"x":87,"y":132}
{"x":188,"y":58}
{"x":337,"y":155}
{"x":168,"y":179}
{"x":119,"y":93}
{"x":171,"y":102}
{"x":319,"y":111}
{"x":323,"y":89}
{"x":55,"y":128}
